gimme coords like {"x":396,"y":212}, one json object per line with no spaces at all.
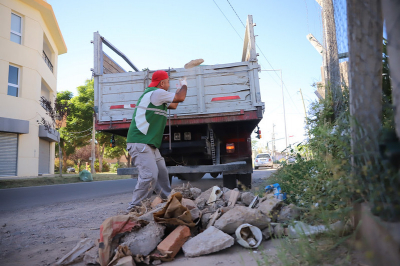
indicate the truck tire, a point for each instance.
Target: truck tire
{"x":255,"y":167}
{"x":244,"y":181}
{"x":229,"y":181}
{"x":191,"y":177}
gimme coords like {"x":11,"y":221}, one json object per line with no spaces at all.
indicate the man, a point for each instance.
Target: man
{"x":145,"y":136}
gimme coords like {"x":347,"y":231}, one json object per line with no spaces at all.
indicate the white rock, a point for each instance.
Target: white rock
{"x":210,"y":241}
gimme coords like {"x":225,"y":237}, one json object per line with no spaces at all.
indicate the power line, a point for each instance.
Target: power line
{"x":228,"y":21}
{"x":236,"y":13}
{"x":262,"y":51}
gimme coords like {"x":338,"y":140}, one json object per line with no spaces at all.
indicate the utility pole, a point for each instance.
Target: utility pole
{"x":93,"y":153}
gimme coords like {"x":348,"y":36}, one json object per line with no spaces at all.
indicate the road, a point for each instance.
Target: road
{"x":28,"y":197}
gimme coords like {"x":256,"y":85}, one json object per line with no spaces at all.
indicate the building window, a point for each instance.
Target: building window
{"x":16,"y":26}
{"x":13,"y":81}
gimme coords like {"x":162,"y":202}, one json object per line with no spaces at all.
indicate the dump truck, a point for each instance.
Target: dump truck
{"x":210,"y":132}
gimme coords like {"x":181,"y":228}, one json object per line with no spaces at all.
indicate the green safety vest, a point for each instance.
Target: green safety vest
{"x":148,"y":121}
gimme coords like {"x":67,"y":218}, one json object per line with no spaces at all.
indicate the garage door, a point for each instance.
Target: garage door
{"x":44,"y":157}
{"x":8,"y":154}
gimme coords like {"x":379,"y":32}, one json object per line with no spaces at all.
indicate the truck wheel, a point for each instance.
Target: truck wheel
{"x":244,"y":181}
{"x":192,"y":177}
{"x":214,"y":175}
{"x":255,"y":167}
{"x":229,"y":181}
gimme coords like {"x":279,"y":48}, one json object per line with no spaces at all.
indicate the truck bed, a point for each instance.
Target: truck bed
{"x":212,"y":90}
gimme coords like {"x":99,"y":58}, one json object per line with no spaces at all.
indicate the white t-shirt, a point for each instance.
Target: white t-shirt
{"x":161,"y":96}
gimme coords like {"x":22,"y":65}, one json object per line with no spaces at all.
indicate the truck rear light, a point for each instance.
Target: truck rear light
{"x":230,"y":148}
{"x":256,"y":160}
{"x":177,"y":136}
{"x":187,"y":136}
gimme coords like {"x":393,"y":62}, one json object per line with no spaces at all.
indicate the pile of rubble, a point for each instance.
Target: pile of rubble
{"x":197,"y":222}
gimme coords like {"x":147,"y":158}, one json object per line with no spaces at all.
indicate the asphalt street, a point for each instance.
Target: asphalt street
{"x":27,"y":197}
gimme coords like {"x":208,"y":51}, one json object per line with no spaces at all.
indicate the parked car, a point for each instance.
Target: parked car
{"x":70,"y":170}
{"x":263,"y":160}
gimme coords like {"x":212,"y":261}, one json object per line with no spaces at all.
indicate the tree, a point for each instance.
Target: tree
{"x":119,"y":150}
{"x":76,"y":132}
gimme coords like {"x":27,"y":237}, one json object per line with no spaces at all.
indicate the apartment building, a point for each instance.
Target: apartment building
{"x":30,"y":42}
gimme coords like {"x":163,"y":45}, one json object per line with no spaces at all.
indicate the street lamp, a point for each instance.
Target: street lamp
{"x":283,"y":101}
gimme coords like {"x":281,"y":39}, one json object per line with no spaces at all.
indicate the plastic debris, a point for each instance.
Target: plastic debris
{"x":85,"y":176}
{"x":276,"y":189}
{"x":248,"y":236}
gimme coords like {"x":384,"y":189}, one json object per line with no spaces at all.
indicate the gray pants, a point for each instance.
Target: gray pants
{"x":153,"y":174}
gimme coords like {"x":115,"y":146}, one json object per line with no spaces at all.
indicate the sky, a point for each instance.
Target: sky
{"x":160,"y":34}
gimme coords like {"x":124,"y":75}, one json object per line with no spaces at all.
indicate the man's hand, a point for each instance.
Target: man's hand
{"x":183,"y":82}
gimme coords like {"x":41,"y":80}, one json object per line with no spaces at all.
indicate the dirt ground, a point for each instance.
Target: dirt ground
{"x":42,"y":235}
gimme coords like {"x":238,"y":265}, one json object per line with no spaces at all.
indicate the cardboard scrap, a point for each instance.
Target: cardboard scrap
{"x":121,"y":252}
{"x":174,"y":213}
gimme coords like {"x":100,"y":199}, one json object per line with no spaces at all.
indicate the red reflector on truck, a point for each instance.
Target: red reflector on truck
{"x":123,"y":106}
{"x":225,"y":98}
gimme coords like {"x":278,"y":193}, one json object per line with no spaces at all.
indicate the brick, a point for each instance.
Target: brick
{"x":174,"y":241}
{"x":156,"y":201}
{"x":189,"y":203}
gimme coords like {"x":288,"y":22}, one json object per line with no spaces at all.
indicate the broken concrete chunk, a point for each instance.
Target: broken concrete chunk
{"x":195,"y":213}
{"x":204,"y":195}
{"x":174,"y":241}
{"x":91,"y":256}
{"x":188,"y":203}
{"x":205,"y":218}
{"x":267,"y":232}
{"x":279,"y":231}
{"x":200,"y":202}
{"x":232,"y":197}
{"x":79,"y":249}
{"x":240,"y":215}
{"x":145,"y":240}
{"x":247,"y":198}
{"x":195,"y":192}
{"x":288,"y":213}
{"x":210,"y":241}
{"x":270,"y":207}
{"x":126,"y":261}
{"x":156,"y":201}
{"x":156,"y":262}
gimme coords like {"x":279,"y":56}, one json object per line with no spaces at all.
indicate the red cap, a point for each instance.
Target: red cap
{"x":157,"y":77}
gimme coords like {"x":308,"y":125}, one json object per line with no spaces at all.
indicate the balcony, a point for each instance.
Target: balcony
{"x":47,"y":61}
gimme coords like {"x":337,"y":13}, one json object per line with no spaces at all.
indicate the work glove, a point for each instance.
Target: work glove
{"x":183,"y":81}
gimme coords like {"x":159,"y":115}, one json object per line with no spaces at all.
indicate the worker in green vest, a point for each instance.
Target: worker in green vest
{"x":145,"y":136}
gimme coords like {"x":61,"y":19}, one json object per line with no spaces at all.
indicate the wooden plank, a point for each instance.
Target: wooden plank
{"x":217,"y":107}
{"x":226,"y":79}
{"x":225,"y":89}
{"x":233,"y":198}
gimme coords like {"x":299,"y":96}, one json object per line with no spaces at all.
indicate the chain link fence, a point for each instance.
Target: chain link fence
{"x":358,"y":57}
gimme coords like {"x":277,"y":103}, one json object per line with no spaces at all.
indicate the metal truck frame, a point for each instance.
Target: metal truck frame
{"x":209,"y":132}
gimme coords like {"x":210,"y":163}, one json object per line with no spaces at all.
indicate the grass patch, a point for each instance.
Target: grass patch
{"x":56,"y":180}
